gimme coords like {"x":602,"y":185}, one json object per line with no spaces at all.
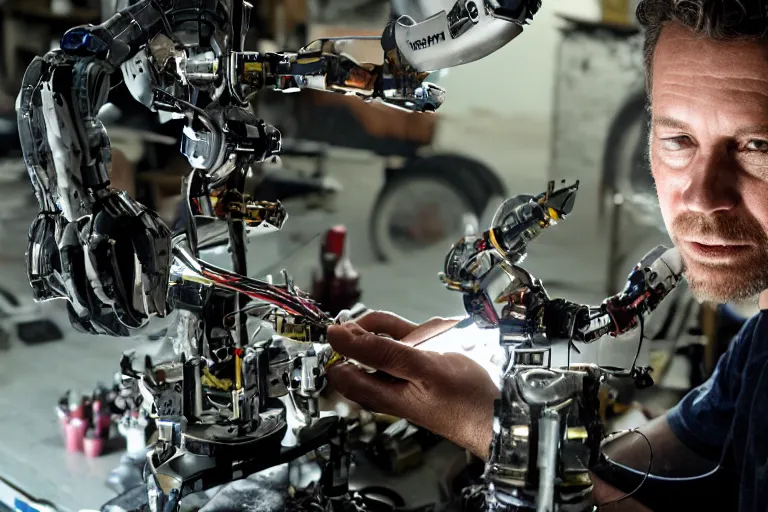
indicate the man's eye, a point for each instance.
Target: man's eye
{"x":676,"y":143}
{"x":758,"y":145}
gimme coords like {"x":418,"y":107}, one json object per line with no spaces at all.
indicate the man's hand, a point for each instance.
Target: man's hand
{"x":448,"y":394}
{"x":410,"y":333}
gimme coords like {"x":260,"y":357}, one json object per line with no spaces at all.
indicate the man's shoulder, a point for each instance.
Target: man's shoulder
{"x":752,"y":339}
{"x":703,"y":418}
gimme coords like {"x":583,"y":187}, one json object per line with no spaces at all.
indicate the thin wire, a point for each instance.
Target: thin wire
{"x":640,"y":341}
{"x":637,"y":354}
{"x":677,"y":479}
{"x":167,"y":25}
{"x":635,"y":431}
{"x":294,"y":304}
{"x":647,"y":472}
{"x":254,"y":305}
{"x":234,"y":278}
{"x":570,"y":340}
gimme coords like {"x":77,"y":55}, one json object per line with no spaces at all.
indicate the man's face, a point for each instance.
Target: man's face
{"x":709,"y":158}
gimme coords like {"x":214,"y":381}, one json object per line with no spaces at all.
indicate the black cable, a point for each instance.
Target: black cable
{"x":639,"y":343}
{"x":635,"y":431}
{"x":570,"y":340}
{"x":253,"y":305}
{"x":167,"y":26}
{"x":618,"y":372}
{"x":647,"y":472}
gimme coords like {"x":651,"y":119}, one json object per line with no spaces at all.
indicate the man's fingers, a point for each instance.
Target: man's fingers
{"x":366,"y":389}
{"x":382,"y":322}
{"x":428,"y":330}
{"x":381,"y":353}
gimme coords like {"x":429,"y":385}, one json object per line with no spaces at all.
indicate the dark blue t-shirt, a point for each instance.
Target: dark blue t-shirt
{"x":726,"y":418}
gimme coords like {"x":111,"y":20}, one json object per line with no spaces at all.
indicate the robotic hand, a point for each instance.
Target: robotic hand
{"x":547,"y":427}
{"x":652,"y":279}
{"x":500,"y":294}
{"x":98,"y":248}
{"x":518,"y":221}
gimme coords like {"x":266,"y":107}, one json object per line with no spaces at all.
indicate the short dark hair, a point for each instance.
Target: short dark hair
{"x":720,"y":20}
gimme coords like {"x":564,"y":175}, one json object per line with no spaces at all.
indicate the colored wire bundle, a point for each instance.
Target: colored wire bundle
{"x":285,"y":296}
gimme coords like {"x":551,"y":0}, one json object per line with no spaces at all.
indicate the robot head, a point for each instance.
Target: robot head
{"x":199,"y":36}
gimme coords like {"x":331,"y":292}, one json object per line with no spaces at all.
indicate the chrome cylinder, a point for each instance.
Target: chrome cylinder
{"x":549,"y":447}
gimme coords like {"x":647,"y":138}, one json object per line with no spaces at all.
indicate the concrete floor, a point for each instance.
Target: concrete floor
{"x":33,"y":377}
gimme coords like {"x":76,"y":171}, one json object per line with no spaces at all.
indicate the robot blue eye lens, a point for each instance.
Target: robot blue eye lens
{"x":75,"y":39}
{"x":81,"y":40}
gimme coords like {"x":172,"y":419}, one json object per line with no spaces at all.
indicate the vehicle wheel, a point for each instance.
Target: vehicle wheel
{"x":626,"y":169}
{"x":423,"y":204}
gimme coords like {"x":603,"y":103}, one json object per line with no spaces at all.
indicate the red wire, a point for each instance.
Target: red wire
{"x":264,"y":298}
{"x":231,"y":282}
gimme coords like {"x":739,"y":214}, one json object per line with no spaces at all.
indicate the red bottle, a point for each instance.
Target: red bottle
{"x":337,"y":287}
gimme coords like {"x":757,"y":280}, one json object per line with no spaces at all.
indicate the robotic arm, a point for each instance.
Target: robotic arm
{"x":498,"y":293}
{"x":547,"y":426}
{"x":652,"y":279}
{"x":108,"y":255}
{"x":460,"y":32}
{"x":85,"y":240}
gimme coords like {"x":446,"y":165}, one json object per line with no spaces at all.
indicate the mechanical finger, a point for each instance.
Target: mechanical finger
{"x":43,"y":262}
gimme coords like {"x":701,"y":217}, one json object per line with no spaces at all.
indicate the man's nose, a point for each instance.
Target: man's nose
{"x":711,"y":184}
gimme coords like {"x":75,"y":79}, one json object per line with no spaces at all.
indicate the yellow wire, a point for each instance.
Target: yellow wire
{"x":212,"y":381}
{"x":194,"y":279}
{"x":495,"y":243}
{"x":335,"y":358}
{"x":252,"y":67}
{"x":238,"y":375}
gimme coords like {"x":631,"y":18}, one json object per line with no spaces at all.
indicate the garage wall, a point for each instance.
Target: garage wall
{"x":517,"y":81}
{"x":499,"y":110}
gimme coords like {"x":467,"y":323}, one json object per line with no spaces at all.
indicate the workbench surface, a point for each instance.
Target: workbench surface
{"x":32,"y":378}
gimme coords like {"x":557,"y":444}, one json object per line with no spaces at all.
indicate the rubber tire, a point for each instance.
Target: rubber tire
{"x":626,"y":170}
{"x":623,"y":139}
{"x":470,"y":180}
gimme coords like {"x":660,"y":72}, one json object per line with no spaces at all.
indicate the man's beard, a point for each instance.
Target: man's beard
{"x":737,"y":280}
